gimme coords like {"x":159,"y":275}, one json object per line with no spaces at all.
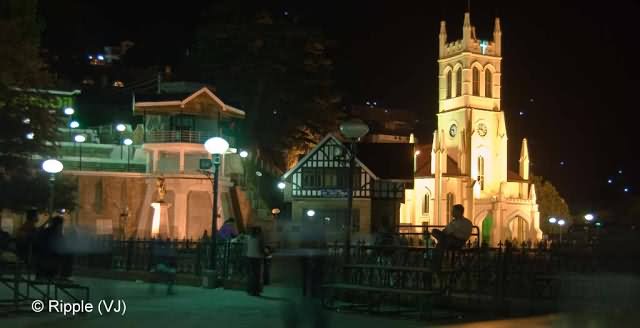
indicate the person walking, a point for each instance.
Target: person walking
{"x":255,"y":258}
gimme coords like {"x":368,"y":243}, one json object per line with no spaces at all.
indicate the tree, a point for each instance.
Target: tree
{"x":25,"y":127}
{"x":22,"y":192}
{"x":275,"y":68}
{"x":550,"y":202}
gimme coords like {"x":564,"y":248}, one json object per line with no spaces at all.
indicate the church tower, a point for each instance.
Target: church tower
{"x":470,"y":119}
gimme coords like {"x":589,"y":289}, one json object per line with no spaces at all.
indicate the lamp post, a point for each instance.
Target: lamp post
{"x":353,"y":130}
{"x":552,"y":221}
{"x":79,"y":138}
{"x":52,"y":166}
{"x":215,"y":146}
{"x":121,"y":128}
{"x":128,"y":142}
{"x":561,"y":224}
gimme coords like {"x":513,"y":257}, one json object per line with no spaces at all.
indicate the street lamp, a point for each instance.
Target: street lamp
{"x":281,"y":185}
{"x":215,"y":146}
{"x":53,"y":167}
{"x":589,"y":217}
{"x":561,"y":223}
{"x":128,"y":142}
{"x":353,"y":130}
{"x":80,"y":139}
{"x":69,"y":111}
{"x":244,"y":153}
{"x":121,"y":128}
{"x":74,"y":124}
{"x":552,"y":221}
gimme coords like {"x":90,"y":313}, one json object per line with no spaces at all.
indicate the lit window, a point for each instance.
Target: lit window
{"x":425,"y":204}
{"x":481,"y":172}
{"x":488,"y":84}
{"x":450,"y":200}
{"x":476,"y":81}
{"x":459,"y":82}
{"x":449,"y":90}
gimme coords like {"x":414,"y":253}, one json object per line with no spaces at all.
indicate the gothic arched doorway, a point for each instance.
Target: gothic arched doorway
{"x":518,"y":228}
{"x":486,"y":229}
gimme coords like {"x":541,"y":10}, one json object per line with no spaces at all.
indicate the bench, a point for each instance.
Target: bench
{"x":374,"y":297}
{"x":380,"y":282}
{"x":16,"y":276}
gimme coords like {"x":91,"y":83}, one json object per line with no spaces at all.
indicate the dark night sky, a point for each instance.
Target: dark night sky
{"x":574,"y":59}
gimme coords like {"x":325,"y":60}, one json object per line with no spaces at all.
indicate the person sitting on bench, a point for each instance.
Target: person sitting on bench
{"x":453,"y":236}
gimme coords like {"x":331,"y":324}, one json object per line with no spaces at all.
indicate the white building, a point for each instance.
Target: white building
{"x":467,"y":161}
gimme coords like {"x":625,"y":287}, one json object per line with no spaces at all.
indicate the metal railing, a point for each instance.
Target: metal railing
{"x":139,"y":255}
{"x":186,"y":136}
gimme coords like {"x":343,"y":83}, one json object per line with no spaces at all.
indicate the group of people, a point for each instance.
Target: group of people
{"x":44,"y":248}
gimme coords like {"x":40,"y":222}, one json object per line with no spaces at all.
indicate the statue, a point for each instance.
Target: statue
{"x":162,"y":191}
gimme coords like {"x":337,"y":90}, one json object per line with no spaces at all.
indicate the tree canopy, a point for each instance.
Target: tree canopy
{"x":550,"y":202}
{"x":274,"y":67}
{"x":25,"y":127}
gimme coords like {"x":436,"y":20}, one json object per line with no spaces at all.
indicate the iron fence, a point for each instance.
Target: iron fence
{"x":190,"y":257}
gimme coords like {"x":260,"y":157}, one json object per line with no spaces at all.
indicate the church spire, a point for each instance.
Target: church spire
{"x":497,"y":36}
{"x":524,"y":160}
{"x":466,"y":29}
{"x":442,"y":37}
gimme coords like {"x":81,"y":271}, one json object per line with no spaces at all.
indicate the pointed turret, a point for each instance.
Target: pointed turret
{"x":435,"y":149}
{"x":497,"y":37}
{"x":443,"y":153}
{"x":532,"y":193}
{"x":466,"y":30}
{"x":524,"y":160}
{"x":442,"y":37}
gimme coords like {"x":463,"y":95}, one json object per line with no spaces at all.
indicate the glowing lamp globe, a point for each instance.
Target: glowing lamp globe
{"x":74,"y":124}
{"x":69,"y":111}
{"x":121,"y":127}
{"x":354,"y":129}
{"x":216,"y":146}
{"x":589,"y":217}
{"x":127,"y":142}
{"x":244,"y":154}
{"x":52,"y":166}
{"x":311,"y":213}
{"x":275,"y":211}
{"x":553,"y":220}
{"x":561,"y":222}
{"x":80,"y":138}
{"x":281,"y":185}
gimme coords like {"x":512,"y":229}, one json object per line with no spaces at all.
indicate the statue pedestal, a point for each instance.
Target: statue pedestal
{"x":160,"y":223}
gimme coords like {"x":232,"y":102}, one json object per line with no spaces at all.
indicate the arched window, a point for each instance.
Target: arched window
{"x":476,"y":81}
{"x":450,"y":203}
{"x":459,"y":82}
{"x":488,"y":83}
{"x":449,"y":84}
{"x":481,"y":172}
{"x":425,"y":204}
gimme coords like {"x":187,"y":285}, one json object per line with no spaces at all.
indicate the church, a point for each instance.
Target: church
{"x":467,"y":161}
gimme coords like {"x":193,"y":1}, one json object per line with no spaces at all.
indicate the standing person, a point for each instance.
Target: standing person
{"x":228,"y":230}
{"x":53,"y":259}
{"x":26,"y":235}
{"x":255,"y":257}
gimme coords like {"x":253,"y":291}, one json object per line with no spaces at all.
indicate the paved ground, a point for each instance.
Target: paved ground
{"x":198,"y":307}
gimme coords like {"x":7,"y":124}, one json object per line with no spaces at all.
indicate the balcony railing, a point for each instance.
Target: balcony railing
{"x":187,"y":136}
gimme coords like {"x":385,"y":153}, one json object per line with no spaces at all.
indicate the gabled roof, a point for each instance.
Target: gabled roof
{"x":329,"y":137}
{"x":201,"y":103}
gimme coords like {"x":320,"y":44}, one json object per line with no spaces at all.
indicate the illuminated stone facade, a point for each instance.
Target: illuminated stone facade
{"x":467,"y":160}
